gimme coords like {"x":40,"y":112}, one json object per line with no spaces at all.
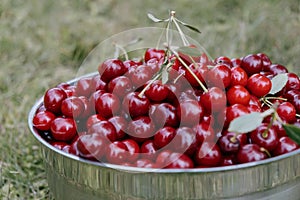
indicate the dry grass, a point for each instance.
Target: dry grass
{"x":42,"y":43}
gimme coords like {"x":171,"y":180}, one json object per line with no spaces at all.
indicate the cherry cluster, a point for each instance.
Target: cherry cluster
{"x":171,"y":111}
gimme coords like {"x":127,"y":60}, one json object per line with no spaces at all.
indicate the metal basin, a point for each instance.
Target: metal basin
{"x":71,"y":177}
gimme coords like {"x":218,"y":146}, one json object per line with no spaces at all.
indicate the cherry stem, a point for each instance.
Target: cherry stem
{"x":266,"y":151}
{"x":122,"y":49}
{"x":190,"y":71}
{"x":276,"y":98}
{"x":298,"y":115}
{"x":141,"y":94}
{"x":233,"y":139}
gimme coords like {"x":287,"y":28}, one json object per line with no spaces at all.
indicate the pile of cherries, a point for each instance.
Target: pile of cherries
{"x":134,"y":114}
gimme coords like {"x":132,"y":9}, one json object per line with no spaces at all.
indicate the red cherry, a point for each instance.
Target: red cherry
{"x":228,"y":161}
{"x":145,"y":163}
{"x":285,"y":145}
{"x":235,"y":111}
{"x":116,"y":153}
{"x":230,"y":142}
{"x":136,"y":105}
{"x":107,"y":105}
{"x":214,"y":100}
{"x":238,"y":76}
{"x":104,"y":128}
{"x":293,"y":82}
{"x":208,"y":154}
{"x":266,"y":62}
{"x":63,"y":129}
{"x":250,"y":153}
{"x":140,"y":75}
{"x":148,"y":150}
{"x":289,"y":95}
{"x":238,"y":95}
{"x":190,"y":113}
{"x":287,"y":112}
{"x":179,"y":161}
{"x":53,"y":99}
{"x":85,"y":87}
{"x":42,"y":120}
{"x":184,"y":141}
{"x":157,"y":91}
{"x":120,"y":86}
{"x":141,"y":128}
{"x":72,"y":107}
{"x":133,"y":150}
{"x":98,"y":84}
{"x":236,"y":62}
{"x":120,"y":125}
{"x":259,"y":85}
{"x":87,"y":111}
{"x":252,"y":64}
{"x":93,"y":119}
{"x":296,"y":102}
{"x":277,"y":69}
{"x":223,"y":60}
{"x":164,"y":114}
{"x":219,"y":76}
{"x":200,"y":70}
{"x":164,"y":136}
{"x":154,"y":53}
{"x":111,"y":69}
{"x":60,"y":145}
{"x":204,"y":133}
{"x":265,"y":137}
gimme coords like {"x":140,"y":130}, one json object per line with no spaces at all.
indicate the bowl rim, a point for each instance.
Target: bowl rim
{"x":34,"y":132}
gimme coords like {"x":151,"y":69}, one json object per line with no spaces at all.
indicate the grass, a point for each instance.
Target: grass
{"x":42,"y":43}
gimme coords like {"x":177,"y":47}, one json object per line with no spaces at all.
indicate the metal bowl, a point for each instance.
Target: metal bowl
{"x":71,"y":177}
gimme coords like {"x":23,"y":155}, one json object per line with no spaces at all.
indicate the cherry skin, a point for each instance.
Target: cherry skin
{"x":154,"y":53}
{"x":107,"y":105}
{"x":230,"y":142}
{"x":133,"y":150}
{"x":293,"y":82}
{"x":214,"y":100}
{"x":259,"y":85}
{"x":116,"y":153}
{"x":53,"y":99}
{"x":285,"y":145}
{"x":289,"y":95}
{"x":179,"y":161}
{"x":120,"y":125}
{"x":105,"y":129}
{"x":287,"y":112}
{"x":98,"y":83}
{"x":208,"y":154}
{"x":252,"y":64}
{"x":145,"y":163}
{"x":93,"y":119}
{"x":111,"y":69}
{"x":184,"y":141}
{"x":190,"y":113}
{"x":42,"y":120}
{"x":204,"y":133}
{"x":276,"y":69}
{"x":141,"y":128}
{"x":72,"y":107}
{"x":157,"y":91}
{"x":140,"y":75}
{"x":219,"y":76}
{"x":235,"y":111}
{"x":63,"y":129}
{"x":236,"y":62}
{"x":148,"y":150}
{"x":164,"y":114}
{"x":266,"y":62}
{"x":136,"y":105}
{"x":120,"y":86}
{"x":238,"y":76}
{"x":163,"y":136}
{"x":228,"y":161}
{"x":85,"y":87}
{"x":200,"y":70}
{"x":296,"y":102}
{"x":264,"y":137}
{"x":238,"y":95}
{"x":250,"y":153}
{"x":223,"y":60}
{"x":60,"y":145}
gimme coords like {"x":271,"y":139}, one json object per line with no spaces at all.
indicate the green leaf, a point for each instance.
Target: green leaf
{"x":191,"y":51}
{"x":278,"y":82}
{"x":293,"y":132}
{"x":246,"y":123}
{"x":154,"y":19}
{"x":189,"y":26}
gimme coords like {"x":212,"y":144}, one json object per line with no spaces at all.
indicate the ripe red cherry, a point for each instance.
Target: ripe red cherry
{"x":98,"y":84}
{"x":208,"y":154}
{"x":140,"y":75}
{"x":136,"y":105}
{"x":105,"y":129}
{"x":266,"y":62}
{"x":238,"y":95}
{"x":228,"y":160}
{"x":219,"y":76}
{"x":190,"y":113}
{"x":42,"y":120}
{"x":285,"y":145}
{"x":293,"y":82}
{"x":236,"y":62}
{"x":141,"y":128}
{"x":250,"y":153}
{"x":223,"y":60}
{"x":91,"y":146}
{"x":53,"y":99}
{"x":93,"y":119}
{"x":133,"y":150}
{"x":200,"y":70}
{"x":72,"y":107}
{"x":252,"y":64}
{"x":230,"y":142}
{"x":59,"y":144}
{"x":265,"y":137}
{"x":85,"y":87}
{"x":111,"y":69}
{"x":145,"y":163}
{"x":214,"y":100}
{"x":164,"y":114}
{"x":235,"y":111}
{"x":154,"y":53}
{"x":184,"y":141}
{"x":289,"y":95}
{"x":204,"y":133}
{"x":287,"y":112}
{"x":120,"y":125}
{"x":116,"y":153}
{"x":63,"y":129}
{"x":277,"y":69}
{"x":238,"y":76}
{"x":259,"y":85}
{"x":157,"y":91}
{"x":296,"y":102}
{"x":164,"y":136}
{"x":107,"y":105}
{"x":148,"y":150}
{"x":179,"y":161}
{"x":120,"y":86}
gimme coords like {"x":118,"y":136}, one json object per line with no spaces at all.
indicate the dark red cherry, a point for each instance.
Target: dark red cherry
{"x":72,"y":107}
{"x":157,"y":91}
{"x":59,"y":144}
{"x":277,"y":69}
{"x":250,"y":153}
{"x":111,"y":69}
{"x":154,"y":53}
{"x":98,"y":83}
{"x":296,"y":102}
{"x":228,"y":161}
{"x":164,"y":114}
{"x":164,"y":136}
{"x":107,"y":105}
{"x":104,"y":128}
{"x":236,"y":62}
{"x":53,"y":99}
{"x":148,"y":150}
{"x":208,"y":154}
{"x":214,"y":100}
{"x":287,"y":112}
{"x":223,"y":60}
{"x":289,"y":95}
{"x":219,"y":76}
{"x":93,"y":119}
{"x":259,"y":85}
{"x":133,"y":150}
{"x":235,"y":111}
{"x":120,"y":86}
{"x":63,"y":129}
{"x":230,"y":142}
{"x":293,"y":82}
{"x":85,"y":86}
{"x":266,"y":62}
{"x":141,"y":128}
{"x":252,"y":64}
{"x":116,"y":153}
{"x":204,"y":133}
{"x":136,"y":105}
{"x":238,"y":95}
{"x":198,"y":69}
{"x":238,"y":76}
{"x":140,"y":75}
{"x":285,"y":145}
{"x":179,"y":161}
{"x":264,"y":136}
{"x":42,"y":120}
{"x":120,"y":125}
{"x":184,"y":141}
{"x":190,"y":113}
